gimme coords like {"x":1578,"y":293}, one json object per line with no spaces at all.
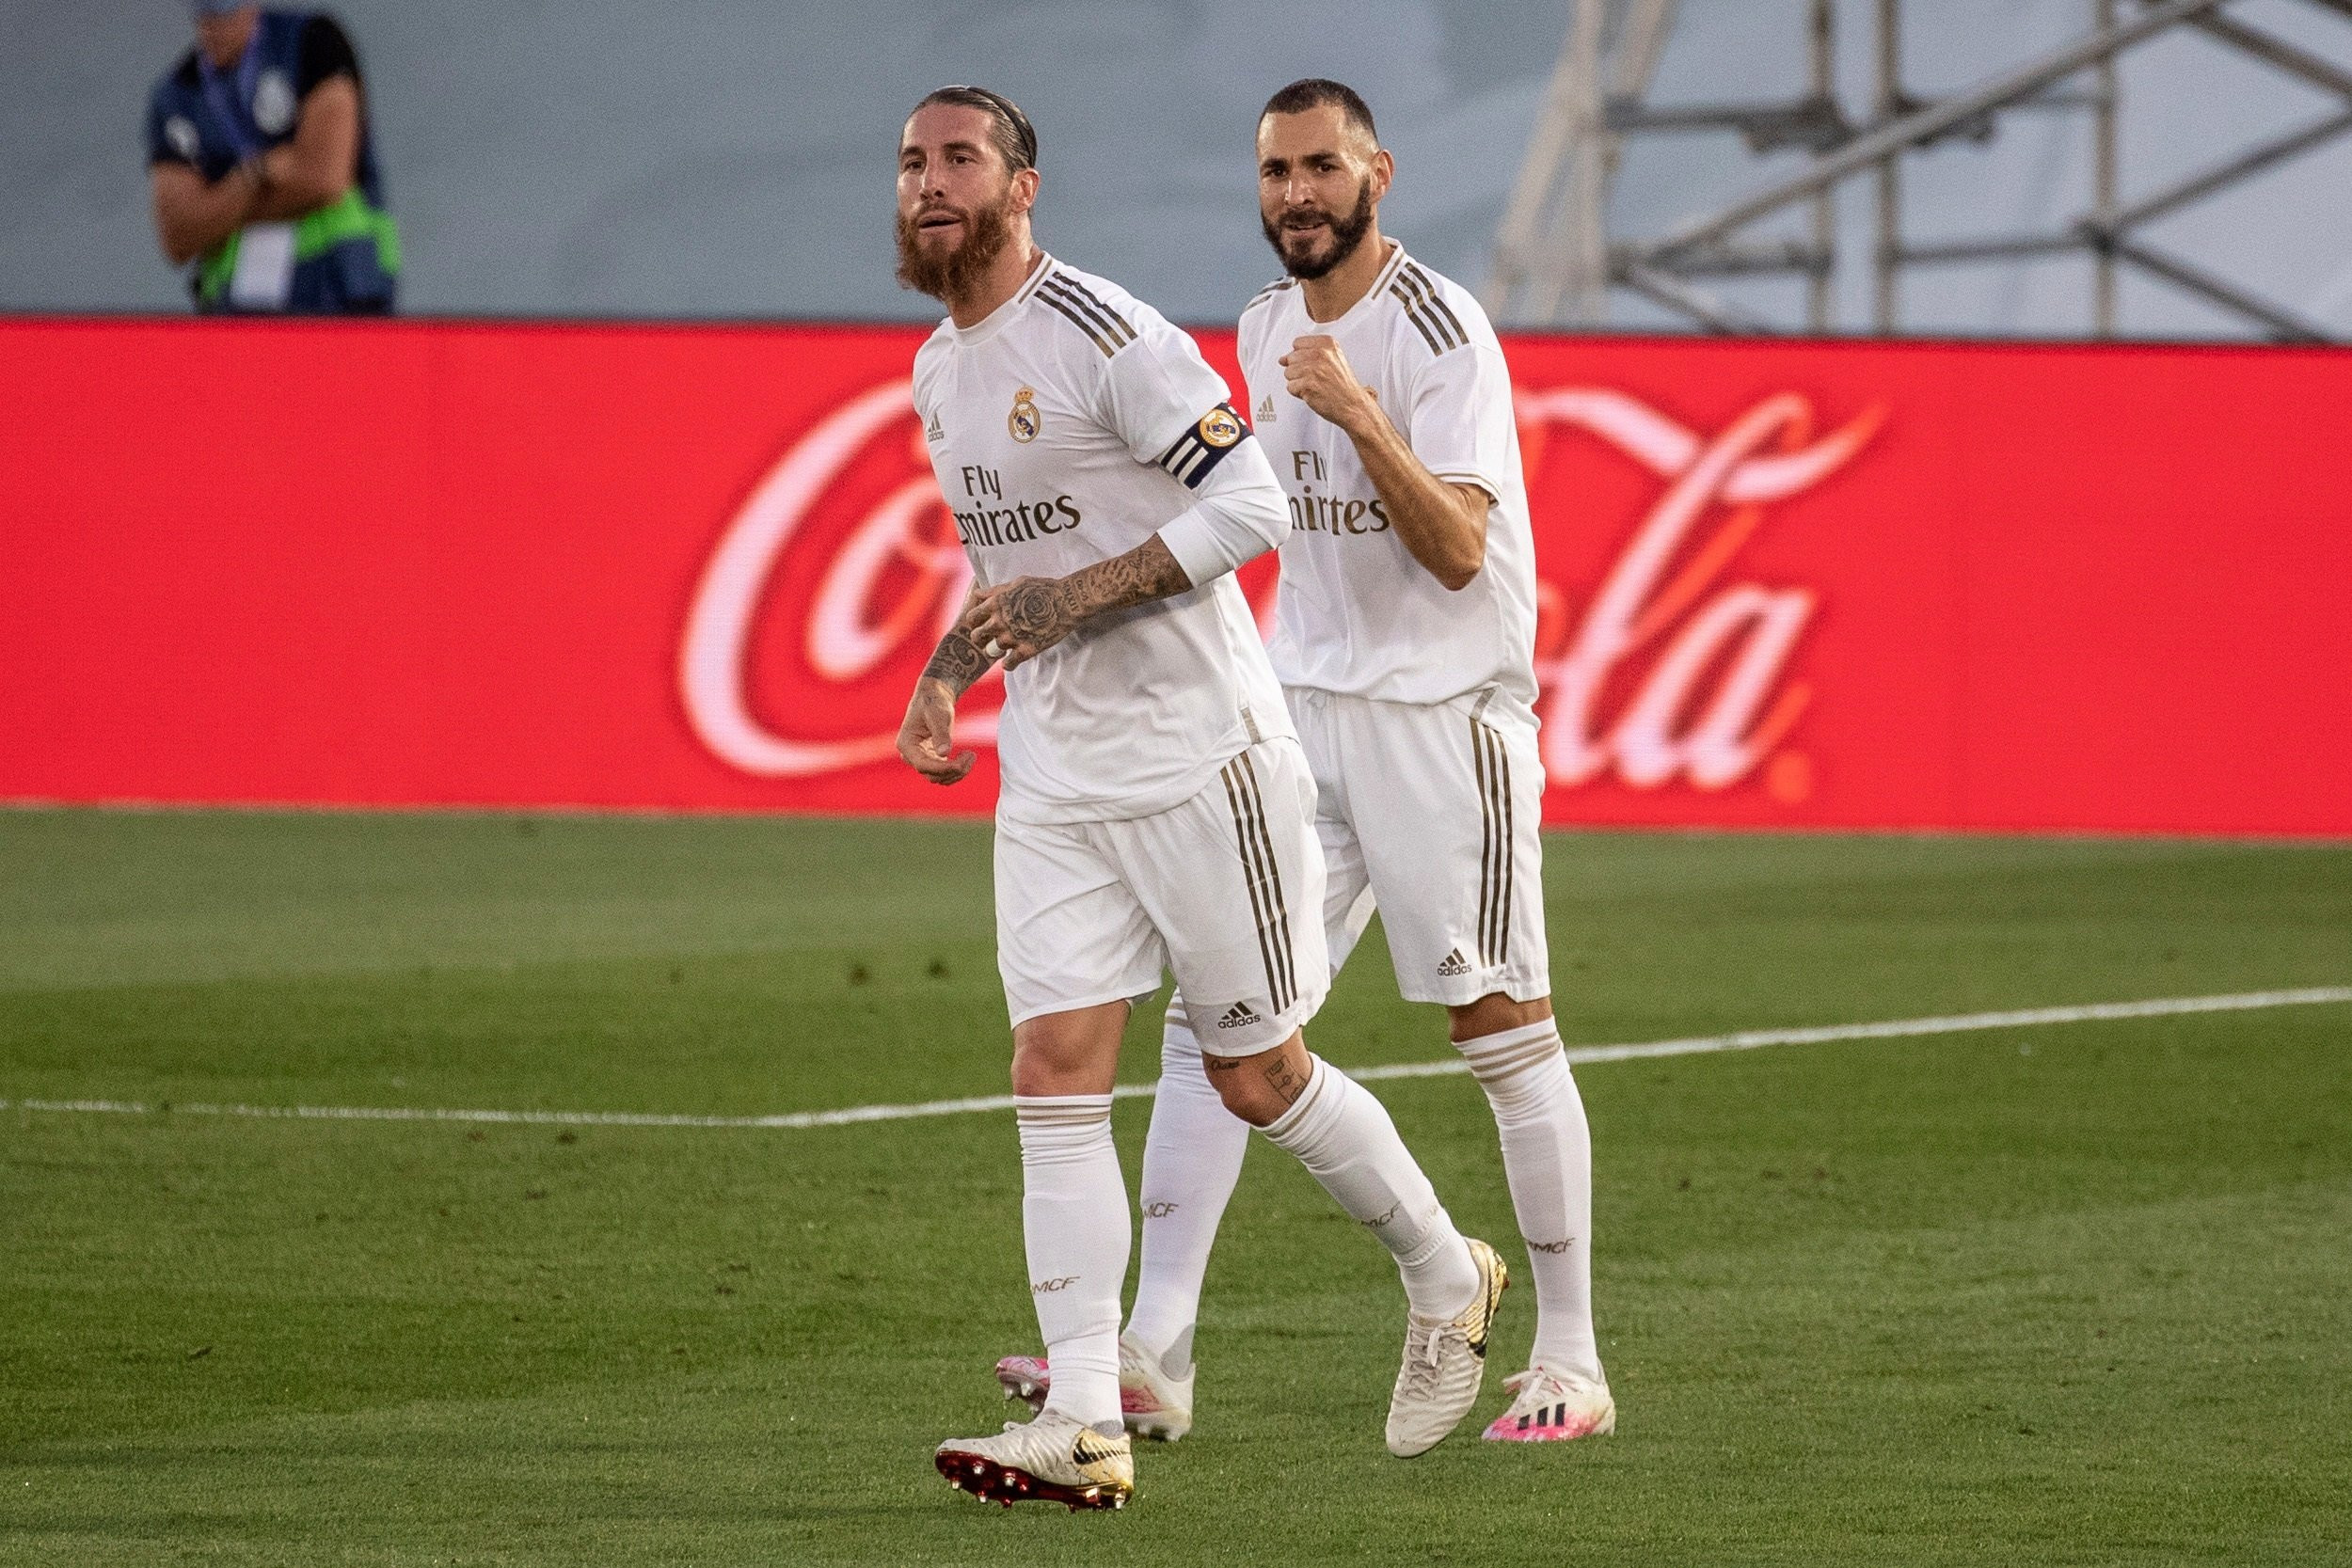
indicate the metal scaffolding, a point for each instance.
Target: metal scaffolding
{"x":1556,"y":262}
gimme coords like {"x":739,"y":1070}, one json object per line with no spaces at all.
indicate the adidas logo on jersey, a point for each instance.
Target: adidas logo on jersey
{"x":934,"y":431}
{"x":1455,"y":964}
{"x":1265,"y":409}
{"x":1238,"y":1016}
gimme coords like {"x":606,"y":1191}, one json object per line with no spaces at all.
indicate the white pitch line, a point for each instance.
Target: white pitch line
{"x":1751,"y":1039}
{"x":2022,"y":1018}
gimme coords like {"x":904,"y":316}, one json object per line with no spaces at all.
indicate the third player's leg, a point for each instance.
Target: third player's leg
{"x":1192,"y":1156}
{"x":1225,"y":880}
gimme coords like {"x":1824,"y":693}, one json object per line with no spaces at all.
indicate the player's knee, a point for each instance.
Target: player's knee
{"x":1493,"y":1013}
{"x":1259,"y":1088}
{"x":1065,"y":1053}
{"x":1246,"y":1096}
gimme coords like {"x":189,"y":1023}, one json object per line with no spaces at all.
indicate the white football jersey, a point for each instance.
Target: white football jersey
{"x":1356,"y":613}
{"x":1066,"y":428}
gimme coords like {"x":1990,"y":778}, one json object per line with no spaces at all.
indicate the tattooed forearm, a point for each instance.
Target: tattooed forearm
{"x":1148,"y":571}
{"x":1028,"y":616}
{"x":1041,"y":612}
{"x":1037,"y":610}
{"x":957,"y":662}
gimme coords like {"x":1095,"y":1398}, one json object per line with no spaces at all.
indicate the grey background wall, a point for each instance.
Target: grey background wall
{"x":732,"y":158}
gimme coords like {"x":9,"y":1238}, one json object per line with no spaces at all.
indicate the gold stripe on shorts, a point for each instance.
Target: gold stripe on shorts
{"x":1497,"y":870}
{"x":1263,"y":878}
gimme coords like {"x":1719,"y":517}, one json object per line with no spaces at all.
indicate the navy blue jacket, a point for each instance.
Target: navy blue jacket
{"x":346,"y":256}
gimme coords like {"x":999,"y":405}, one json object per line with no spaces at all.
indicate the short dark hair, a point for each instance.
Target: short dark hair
{"x":1315,"y":92}
{"x":1014,"y":137}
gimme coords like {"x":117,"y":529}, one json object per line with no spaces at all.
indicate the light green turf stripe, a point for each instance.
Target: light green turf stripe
{"x":2026,"y":1018}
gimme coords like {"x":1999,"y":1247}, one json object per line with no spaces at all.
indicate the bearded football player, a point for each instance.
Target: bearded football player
{"x":1156,"y":812}
{"x":1405,"y":646}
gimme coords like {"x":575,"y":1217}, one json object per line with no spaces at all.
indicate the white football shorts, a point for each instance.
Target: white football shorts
{"x":1432,"y":814}
{"x":1226,"y":889}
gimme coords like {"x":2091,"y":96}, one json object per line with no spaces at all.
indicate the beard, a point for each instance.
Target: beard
{"x":946,"y":274}
{"x":1347,"y":235}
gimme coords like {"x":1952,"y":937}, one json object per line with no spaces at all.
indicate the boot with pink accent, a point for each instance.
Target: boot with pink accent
{"x":1553,"y":1407}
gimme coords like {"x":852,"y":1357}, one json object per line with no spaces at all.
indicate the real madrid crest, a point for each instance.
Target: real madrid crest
{"x":1220,"y":427}
{"x":1025,"y":421}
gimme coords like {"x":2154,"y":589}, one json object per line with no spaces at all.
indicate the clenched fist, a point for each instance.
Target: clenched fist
{"x":1318,"y":374}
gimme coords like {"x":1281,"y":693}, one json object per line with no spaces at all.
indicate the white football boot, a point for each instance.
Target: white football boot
{"x":1445,"y":1361}
{"x":1152,"y":1404}
{"x":1051,"y":1459}
{"x":1553,"y":1407}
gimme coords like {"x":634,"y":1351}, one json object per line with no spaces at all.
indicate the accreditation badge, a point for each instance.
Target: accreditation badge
{"x":263,"y":279}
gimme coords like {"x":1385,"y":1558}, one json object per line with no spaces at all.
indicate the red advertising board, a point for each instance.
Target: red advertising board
{"x":1782,"y":584}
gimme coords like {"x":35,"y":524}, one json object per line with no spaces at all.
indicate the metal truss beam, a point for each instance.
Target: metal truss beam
{"x":1596,"y":103}
{"x":2230,"y":170}
{"x":2093,"y":231}
{"x":1785,"y":256}
{"x":2275,"y":52}
{"x":1912,"y":129}
{"x":1991,"y":248}
{"x":2283,"y":326}
{"x":1816,"y":124}
{"x":1677,"y":295}
{"x":1552,"y":244}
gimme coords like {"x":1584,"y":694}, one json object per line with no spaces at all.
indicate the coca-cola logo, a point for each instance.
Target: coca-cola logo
{"x":1701,"y":662}
{"x":891,"y":580}
{"x":1671,"y":672}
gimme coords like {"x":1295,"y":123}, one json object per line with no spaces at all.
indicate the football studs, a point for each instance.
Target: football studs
{"x":1025,"y":421}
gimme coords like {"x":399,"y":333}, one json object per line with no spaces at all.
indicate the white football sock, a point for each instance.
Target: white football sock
{"x":1344,"y":1138}
{"x":1073,"y":1219}
{"x":1548,"y":1160}
{"x":1191,"y":1163}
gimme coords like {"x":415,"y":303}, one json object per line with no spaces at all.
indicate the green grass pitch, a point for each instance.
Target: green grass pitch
{"x":2078,"y":1295}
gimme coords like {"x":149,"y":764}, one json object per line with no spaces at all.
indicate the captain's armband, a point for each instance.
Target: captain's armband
{"x":1197,"y":452}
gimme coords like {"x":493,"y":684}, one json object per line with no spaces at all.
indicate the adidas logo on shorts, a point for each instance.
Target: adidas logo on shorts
{"x":1455,"y":964}
{"x":1238,"y":1017}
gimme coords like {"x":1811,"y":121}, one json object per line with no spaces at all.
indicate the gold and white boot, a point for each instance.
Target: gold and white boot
{"x":1052,"y":1459}
{"x":1445,"y":1361}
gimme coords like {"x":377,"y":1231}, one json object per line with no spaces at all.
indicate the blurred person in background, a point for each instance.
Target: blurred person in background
{"x":263,"y":171}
